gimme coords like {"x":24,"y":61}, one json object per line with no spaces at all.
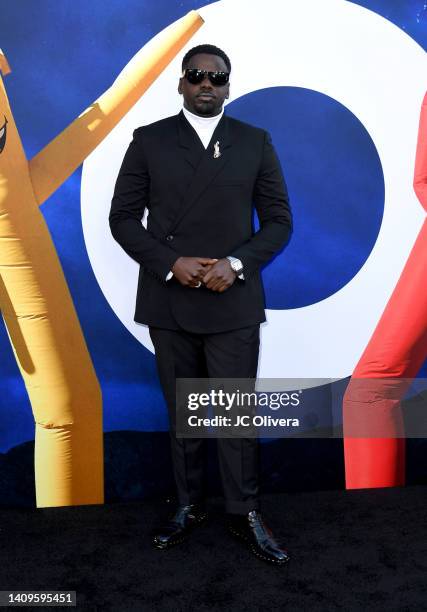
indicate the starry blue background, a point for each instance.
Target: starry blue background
{"x":60,"y":65}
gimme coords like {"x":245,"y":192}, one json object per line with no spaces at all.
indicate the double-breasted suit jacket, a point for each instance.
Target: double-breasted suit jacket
{"x":200,"y":205}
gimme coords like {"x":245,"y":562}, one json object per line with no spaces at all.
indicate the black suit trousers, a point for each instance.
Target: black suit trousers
{"x":230,"y":354}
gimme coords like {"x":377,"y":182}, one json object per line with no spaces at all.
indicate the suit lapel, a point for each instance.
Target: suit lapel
{"x":206,"y":165}
{"x":189,"y":141}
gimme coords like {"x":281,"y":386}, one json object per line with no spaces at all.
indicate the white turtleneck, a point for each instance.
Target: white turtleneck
{"x":204,"y":126}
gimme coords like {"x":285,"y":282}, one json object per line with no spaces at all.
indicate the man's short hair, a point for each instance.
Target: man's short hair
{"x":210,"y":50}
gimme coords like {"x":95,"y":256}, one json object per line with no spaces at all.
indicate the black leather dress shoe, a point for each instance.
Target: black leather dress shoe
{"x":252,"y":529}
{"x":177,"y":529}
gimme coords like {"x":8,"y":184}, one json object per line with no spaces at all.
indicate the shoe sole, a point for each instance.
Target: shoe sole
{"x":167,"y":545}
{"x":254,"y":551}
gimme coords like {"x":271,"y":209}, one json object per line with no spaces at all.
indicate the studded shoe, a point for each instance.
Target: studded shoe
{"x":178,"y":528}
{"x":254,"y":532}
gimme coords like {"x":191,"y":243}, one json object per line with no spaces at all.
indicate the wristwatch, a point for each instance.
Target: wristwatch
{"x":236,"y":265}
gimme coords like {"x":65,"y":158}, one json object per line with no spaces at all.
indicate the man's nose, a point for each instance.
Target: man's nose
{"x":206,"y":81}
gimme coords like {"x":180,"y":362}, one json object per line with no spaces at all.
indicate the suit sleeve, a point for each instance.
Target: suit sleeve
{"x":130,"y":199}
{"x":272,"y":205}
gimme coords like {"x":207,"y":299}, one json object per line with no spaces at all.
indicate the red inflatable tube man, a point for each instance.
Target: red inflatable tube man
{"x":395,"y":353}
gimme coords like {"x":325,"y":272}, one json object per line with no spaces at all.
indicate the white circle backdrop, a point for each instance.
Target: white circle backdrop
{"x":331,"y":46}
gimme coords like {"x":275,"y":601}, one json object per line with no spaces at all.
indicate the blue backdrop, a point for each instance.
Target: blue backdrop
{"x":63,"y":55}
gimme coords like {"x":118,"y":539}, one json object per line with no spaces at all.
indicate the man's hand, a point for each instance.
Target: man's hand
{"x":191,"y":270}
{"x":220,"y":276}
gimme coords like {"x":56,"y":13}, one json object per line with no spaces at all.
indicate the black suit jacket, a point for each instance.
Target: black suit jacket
{"x":199,"y":206}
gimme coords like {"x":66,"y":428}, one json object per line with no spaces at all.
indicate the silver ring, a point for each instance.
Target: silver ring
{"x":199,"y":284}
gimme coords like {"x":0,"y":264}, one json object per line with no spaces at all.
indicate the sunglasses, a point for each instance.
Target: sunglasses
{"x":196,"y":76}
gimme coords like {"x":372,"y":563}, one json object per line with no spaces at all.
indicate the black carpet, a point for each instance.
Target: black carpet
{"x":352,"y":550}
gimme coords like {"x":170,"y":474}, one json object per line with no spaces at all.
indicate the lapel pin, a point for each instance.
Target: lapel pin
{"x":217,"y":152}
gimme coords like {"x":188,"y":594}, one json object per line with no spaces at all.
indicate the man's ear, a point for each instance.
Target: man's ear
{"x":180,"y":86}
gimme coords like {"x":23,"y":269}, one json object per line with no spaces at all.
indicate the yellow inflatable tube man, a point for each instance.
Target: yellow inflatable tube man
{"x":36,"y":304}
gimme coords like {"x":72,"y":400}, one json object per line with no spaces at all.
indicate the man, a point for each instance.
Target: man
{"x":199,"y":173}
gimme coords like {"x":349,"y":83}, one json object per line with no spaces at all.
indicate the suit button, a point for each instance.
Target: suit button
{"x":170,"y":237}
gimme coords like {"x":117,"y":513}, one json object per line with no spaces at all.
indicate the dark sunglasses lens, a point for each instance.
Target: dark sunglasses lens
{"x":194,"y":76}
{"x":218,"y":78}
